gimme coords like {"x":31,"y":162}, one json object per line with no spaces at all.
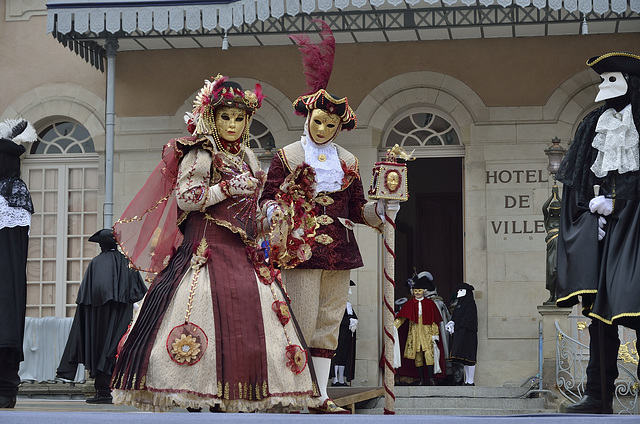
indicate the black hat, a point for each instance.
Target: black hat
{"x":8,"y":147}
{"x":351,"y":283}
{"x":424,"y":281}
{"x":103,"y":236}
{"x":465,"y":286}
{"x":616,"y":62}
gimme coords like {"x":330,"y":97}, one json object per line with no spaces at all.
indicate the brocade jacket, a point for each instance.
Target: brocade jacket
{"x":335,"y":246}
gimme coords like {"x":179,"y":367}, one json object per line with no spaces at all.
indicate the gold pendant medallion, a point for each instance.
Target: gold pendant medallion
{"x":322,"y":157}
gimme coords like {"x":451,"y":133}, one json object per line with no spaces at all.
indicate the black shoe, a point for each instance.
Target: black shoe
{"x":7,"y":402}
{"x":589,"y":405}
{"x":102,"y":400}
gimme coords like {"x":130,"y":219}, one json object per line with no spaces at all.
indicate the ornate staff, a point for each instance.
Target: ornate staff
{"x":389,"y":183}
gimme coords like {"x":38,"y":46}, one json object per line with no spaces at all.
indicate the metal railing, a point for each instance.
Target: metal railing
{"x":572,"y":358}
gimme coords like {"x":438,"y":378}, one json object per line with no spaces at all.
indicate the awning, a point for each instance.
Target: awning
{"x":164,"y":24}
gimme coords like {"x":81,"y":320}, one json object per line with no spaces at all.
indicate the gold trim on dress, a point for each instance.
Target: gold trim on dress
{"x":324,"y":220}
{"x":324,"y":200}
{"x":324,"y":239}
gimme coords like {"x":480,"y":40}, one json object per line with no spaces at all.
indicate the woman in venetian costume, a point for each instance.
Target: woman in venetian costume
{"x":214,"y":330}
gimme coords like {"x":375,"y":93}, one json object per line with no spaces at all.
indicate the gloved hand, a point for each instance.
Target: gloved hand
{"x":243,"y":184}
{"x":353,"y":324}
{"x":435,"y":338}
{"x":450,"y":327}
{"x":380,"y":209}
{"x":271,"y":210}
{"x":601,"y":224}
{"x":602,"y":205}
{"x":382,"y":205}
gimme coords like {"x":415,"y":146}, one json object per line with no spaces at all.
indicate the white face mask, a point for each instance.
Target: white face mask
{"x":462,"y":293}
{"x":613,"y":85}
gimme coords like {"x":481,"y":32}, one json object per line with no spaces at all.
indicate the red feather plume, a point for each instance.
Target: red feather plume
{"x":317,"y":59}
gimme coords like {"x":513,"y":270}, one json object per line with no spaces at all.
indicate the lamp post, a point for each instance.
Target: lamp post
{"x":554,"y":153}
{"x":551,"y":212}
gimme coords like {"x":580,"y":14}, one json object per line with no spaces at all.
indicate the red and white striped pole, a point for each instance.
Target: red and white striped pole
{"x":389,"y":312}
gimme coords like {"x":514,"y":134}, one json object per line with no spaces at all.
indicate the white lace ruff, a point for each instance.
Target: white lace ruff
{"x":13,"y":217}
{"x":617,"y":143}
{"x":329,"y":174}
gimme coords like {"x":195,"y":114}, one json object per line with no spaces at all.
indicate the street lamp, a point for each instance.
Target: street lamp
{"x":555,"y":153}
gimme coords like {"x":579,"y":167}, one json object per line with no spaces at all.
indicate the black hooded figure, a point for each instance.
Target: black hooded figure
{"x":105,"y":308}
{"x":16,"y":209}
{"x":464,"y":332}
{"x":598,"y":243}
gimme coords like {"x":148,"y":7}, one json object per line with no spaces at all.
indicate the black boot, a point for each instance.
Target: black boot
{"x":590,"y":405}
{"x":7,"y":401}
{"x":421,"y":374}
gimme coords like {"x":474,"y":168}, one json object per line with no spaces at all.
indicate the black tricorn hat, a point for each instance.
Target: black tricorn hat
{"x":10,"y":148}
{"x":424,"y":281}
{"x":465,"y":286}
{"x":103,"y":236}
{"x":628,"y":63}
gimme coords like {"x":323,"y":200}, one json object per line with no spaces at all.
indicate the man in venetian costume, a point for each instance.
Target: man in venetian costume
{"x":214,"y":331}
{"x":463,"y":328}
{"x":598,"y":243}
{"x":317,"y":274}
{"x":16,"y":209}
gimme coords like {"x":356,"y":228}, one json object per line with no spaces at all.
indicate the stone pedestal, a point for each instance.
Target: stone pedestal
{"x":550,"y":313}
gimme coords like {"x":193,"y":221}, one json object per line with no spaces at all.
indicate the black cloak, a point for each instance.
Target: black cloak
{"x":464,"y":340}
{"x":105,"y":308}
{"x":606,"y":273}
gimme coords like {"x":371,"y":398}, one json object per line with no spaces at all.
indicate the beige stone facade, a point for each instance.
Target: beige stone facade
{"x":506,"y":98}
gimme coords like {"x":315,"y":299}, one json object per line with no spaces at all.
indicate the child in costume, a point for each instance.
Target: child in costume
{"x":424,"y":330}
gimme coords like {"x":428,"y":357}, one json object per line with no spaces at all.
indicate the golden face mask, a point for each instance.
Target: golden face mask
{"x":393,"y":180}
{"x":323,"y":126}
{"x":230,"y":123}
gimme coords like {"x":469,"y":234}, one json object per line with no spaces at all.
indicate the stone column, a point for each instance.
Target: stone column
{"x":551,"y":313}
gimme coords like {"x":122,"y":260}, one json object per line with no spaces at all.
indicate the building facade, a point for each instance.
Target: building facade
{"x":477,"y":105}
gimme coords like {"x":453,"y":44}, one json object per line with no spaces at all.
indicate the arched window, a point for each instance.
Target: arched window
{"x":262,"y":142}
{"x":424,"y":128}
{"x":63,"y":137}
{"x":61,"y":172}
{"x":260,"y":138}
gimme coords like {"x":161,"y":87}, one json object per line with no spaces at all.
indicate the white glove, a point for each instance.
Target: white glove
{"x":243,"y":184}
{"x":602,"y":205}
{"x":353,"y":324}
{"x":382,"y":205}
{"x":435,"y":338}
{"x":380,"y":209}
{"x":393,"y":205}
{"x":450,"y":326}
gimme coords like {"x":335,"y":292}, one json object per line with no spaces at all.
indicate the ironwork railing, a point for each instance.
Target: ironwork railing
{"x":572,"y":358}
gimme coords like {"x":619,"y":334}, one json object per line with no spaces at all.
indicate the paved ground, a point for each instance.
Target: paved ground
{"x":43,"y":411}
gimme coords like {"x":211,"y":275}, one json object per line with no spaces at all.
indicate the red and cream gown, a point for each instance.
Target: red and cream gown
{"x":250,"y":361}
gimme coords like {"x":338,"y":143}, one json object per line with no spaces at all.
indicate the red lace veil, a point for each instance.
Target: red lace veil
{"x":147,"y":232}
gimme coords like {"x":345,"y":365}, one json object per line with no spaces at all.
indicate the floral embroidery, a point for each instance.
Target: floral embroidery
{"x":282,"y":310}
{"x":185,"y":349}
{"x":296,"y":358}
{"x":350,"y":173}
